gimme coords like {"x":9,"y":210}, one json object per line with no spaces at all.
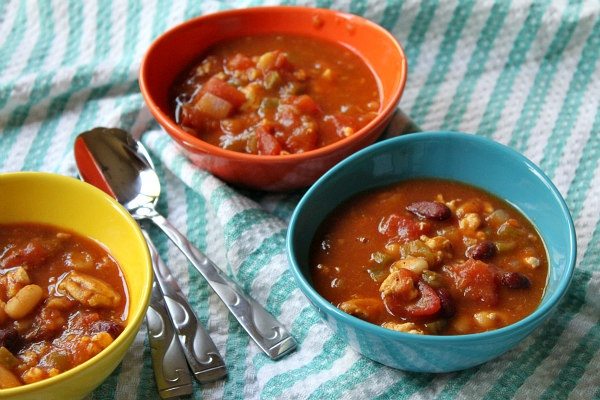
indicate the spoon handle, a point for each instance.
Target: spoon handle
{"x":268,"y":333}
{"x":199,"y":349}
{"x":172,"y":375}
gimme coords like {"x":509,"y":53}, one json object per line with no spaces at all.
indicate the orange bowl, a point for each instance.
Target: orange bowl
{"x":177,"y":49}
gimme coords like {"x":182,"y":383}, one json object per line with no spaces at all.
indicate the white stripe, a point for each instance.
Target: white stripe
{"x":9,"y":21}
{"x":311,"y":347}
{"x":147,"y":15}
{"x":525,"y":79}
{"x":547,"y":371}
{"x":17,"y":61}
{"x":465,"y":49}
{"x":557,"y":93}
{"x":434,"y":389}
{"x":588,"y":218}
{"x":589,"y":382}
{"x":267,"y":276}
{"x":378,"y":382}
{"x":495,"y":64}
{"x":58,"y":46}
{"x":488,"y":374}
{"x":406,"y":19}
{"x":303,"y":388}
{"x":128,"y":380}
{"x":117,"y":34}
{"x":580,"y":133}
{"x":88,"y":33}
{"x":420,"y":68}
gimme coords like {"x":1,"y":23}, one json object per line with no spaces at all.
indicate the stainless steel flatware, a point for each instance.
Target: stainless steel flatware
{"x":115,"y":160}
{"x":173,"y":378}
{"x":200,"y":351}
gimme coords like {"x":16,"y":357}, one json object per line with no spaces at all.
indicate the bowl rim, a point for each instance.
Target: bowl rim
{"x":387,"y":108}
{"x":531,"y":320}
{"x":135,"y":321}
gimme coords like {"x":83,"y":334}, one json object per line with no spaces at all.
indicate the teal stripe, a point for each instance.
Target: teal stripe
{"x":75,"y":32}
{"x":410,"y":384}
{"x":578,"y":362}
{"x":258,"y":259}
{"x":442,"y":62}
{"x":17,"y":118}
{"x":305,"y":320}
{"x":193,"y":9}
{"x":42,"y":46}
{"x":458,"y":381}
{"x":147,"y":386}
{"x":524,"y":364}
{"x":476,"y":65}
{"x":241,"y":222}
{"x":42,"y":83}
{"x":286,"y":207}
{"x":237,"y":349}
{"x":3,"y":8}
{"x":323,"y":3}
{"x":333,"y":348}
{"x":221,"y":194}
{"x":544,"y":77}
{"x":585,"y":171}
{"x":510,"y":71}
{"x":358,"y":7}
{"x":391,"y":14}
{"x":13,"y":41}
{"x":119,"y":76}
{"x":418,"y":30}
{"x":357,"y":374}
{"x":280,"y":292}
{"x":570,"y":109}
{"x":107,"y":389}
{"x":39,"y":148}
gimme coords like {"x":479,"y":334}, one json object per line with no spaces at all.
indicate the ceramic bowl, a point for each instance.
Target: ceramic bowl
{"x":79,"y":207}
{"x":176,"y":50}
{"x":461,"y":157}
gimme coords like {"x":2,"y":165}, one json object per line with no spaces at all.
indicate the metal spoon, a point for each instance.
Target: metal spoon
{"x":201,"y":353}
{"x":121,"y":163}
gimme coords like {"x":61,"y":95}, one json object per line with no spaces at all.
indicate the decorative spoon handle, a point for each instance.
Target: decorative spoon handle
{"x":199,"y":349}
{"x":172,"y":375}
{"x":268,"y":333}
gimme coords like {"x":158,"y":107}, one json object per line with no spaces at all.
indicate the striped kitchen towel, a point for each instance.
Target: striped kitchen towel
{"x":522,"y":72}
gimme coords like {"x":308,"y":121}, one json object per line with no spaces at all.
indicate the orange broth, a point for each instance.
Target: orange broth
{"x":276,"y":95}
{"x":79,"y":301}
{"x":479,"y":266}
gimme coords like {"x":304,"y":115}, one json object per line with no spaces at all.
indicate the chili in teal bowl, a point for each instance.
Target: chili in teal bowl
{"x":450,"y":156}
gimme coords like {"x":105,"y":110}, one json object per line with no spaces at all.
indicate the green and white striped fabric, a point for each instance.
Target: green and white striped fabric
{"x":522,"y":72}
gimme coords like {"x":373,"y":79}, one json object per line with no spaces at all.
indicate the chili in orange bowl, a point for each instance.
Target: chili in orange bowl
{"x":273,"y":158}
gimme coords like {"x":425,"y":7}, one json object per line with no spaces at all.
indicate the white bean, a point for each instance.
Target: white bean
{"x":24,"y":301}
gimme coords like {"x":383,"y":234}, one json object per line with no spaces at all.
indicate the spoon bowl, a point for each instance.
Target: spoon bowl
{"x":112,"y":160}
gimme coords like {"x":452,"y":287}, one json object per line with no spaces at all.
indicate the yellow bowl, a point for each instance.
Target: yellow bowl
{"x":71,"y":204}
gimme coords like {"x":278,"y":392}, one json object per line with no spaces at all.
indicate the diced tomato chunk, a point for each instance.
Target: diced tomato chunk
{"x":239,"y":62}
{"x":267,"y":143}
{"x":282,"y":62}
{"x":474,"y":280}
{"x":306,"y":104}
{"x":404,"y":228}
{"x":225,"y":91}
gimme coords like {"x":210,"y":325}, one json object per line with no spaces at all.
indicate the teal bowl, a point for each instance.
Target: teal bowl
{"x":448,"y":155}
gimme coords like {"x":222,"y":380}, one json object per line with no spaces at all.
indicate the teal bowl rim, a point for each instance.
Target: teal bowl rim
{"x":530,"y":321}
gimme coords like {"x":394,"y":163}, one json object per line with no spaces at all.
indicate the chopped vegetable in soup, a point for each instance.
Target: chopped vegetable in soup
{"x":276,"y":95}
{"x":63,"y":300}
{"x":430,"y":256}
